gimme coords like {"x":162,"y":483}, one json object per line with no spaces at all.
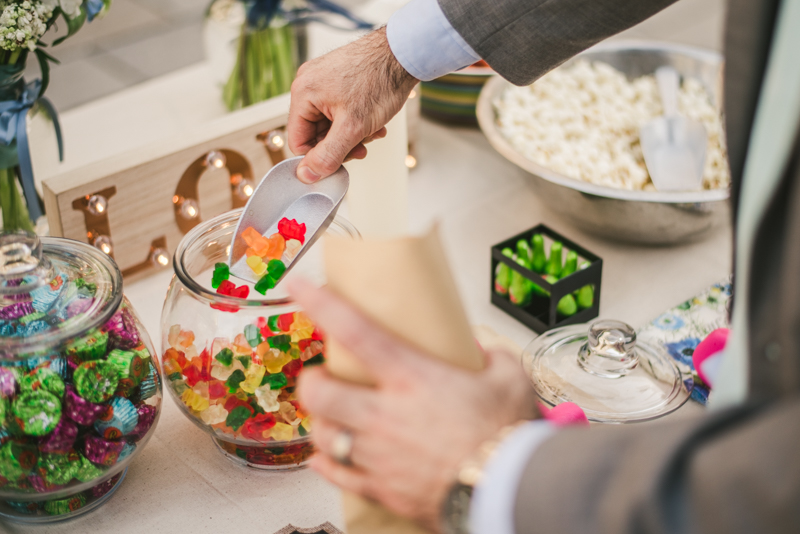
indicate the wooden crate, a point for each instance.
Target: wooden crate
{"x":145,"y":189}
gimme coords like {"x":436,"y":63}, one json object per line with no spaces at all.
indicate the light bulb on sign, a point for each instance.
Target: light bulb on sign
{"x":189,"y":208}
{"x":412,"y":94}
{"x":245,"y":188}
{"x":160,"y":257}
{"x":97,"y":204}
{"x":411,"y":161}
{"x":103,"y":242}
{"x":276,"y":139}
{"x":215,"y":159}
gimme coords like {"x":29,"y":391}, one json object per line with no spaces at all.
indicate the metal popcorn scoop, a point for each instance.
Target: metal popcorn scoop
{"x":280,"y":194}
{"x":674,"y":147}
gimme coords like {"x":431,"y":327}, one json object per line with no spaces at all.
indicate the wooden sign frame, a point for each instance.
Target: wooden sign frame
{"x":138,"y":206}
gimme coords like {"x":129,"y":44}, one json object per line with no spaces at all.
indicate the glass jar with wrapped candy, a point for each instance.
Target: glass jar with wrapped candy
{"x":232,"y":356}
{"x":80,"y":389}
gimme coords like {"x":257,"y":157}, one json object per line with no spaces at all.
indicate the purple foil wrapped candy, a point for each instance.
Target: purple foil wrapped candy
{"x":121,"y":328}
{"x":101,"y":451}
{"x":8,"y":382}
{"x":41,"y":485}
{"x":79,"y":409}
{"x":147,"y":414}
{"x":15,"y":311}
{"x":78,"y":306}
{"x":61,"y":439}
{"x":102,"y":489}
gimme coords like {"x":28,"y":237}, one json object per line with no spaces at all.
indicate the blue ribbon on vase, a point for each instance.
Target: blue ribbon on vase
{"x":261,"y":13}
{"x":13,"y":125}
{"x":93,"y":8}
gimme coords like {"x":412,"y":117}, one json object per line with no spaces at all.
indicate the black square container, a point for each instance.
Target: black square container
{"x":541,"y":313}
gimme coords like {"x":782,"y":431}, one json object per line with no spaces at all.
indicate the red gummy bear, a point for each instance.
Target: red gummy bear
{"x":285,"y":321}
{"x":292,"y":369}
{"x":216,"y":390}
{"x":290,"y":229}
{"x":317,"y":334}
{"x":193,"y":375}
{"x":233,"y":402}
{"x":241,"y":292}
{"x":255,"y":427}
{"x":226,"y":287}
{"x":303,"y":344}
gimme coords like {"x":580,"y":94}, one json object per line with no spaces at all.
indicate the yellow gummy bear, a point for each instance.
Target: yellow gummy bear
{"x":257,"y":265}
{"x":282,"y":432}
{"x":302,"y":333}
{"x":194,"y":401}
{"x":306,"y":424}
{"x":274,"y":365}
{"x":301,"y":322}
{"x":252,"y":378}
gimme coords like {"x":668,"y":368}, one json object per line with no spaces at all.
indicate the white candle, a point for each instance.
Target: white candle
{"x":377,"y":201}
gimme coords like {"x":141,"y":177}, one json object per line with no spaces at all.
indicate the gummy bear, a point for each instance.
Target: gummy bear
{"x":236,"y":378}
{"x":253,"y":378}
{"x":257,"y":265}
{"x":226,"y":287}
{"x":255,"y":427}
{"x":221,"y":273}
{"x":275,"y":364}
{"x":214,"y":415}
{"x":264,"y":284}
{"x":290,"y":229}
{"x":253,"y":335}
{"x":285,"y":321}
{"x":292,"y":248}
{"x":194,"y":401}
{"x":287,"y":411}
{"x":225,"y":356}
{"x":282,"y":432}
{"x":238,"y":416}
{"x":267,"y":398}
{"x":216,"y":390}
{"x":293,"y":368}
{"x":277,"y":244}
{"x":275,"y":381}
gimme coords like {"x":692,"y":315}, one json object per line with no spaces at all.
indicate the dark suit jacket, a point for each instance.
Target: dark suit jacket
{"x":727,"y":472}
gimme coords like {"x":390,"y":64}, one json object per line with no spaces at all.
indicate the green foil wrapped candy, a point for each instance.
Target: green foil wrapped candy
{"x":59,"y":469}
{"x":43,"y":378}
{"x":96,"y":381}
{"x":65,"y":506}
{"x":17,"y":459}
{"x":37,"y":412}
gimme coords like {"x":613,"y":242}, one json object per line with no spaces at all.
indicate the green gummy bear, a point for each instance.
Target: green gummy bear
{"x":316,"y":360}
{"x":221,"y":272}
{"x":245,"y":360}
{"x":266,"y":282}
{"x":275,"y":381}
{"x":272,"y":323}
{"x":225,"y":357}
{"x":237,"y":417}
{"x":276,"y":268}
{"x":253,"y":335}
{"x":233,"y":381}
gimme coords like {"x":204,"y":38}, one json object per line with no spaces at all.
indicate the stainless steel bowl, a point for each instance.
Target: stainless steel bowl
{"x":645,"y":217}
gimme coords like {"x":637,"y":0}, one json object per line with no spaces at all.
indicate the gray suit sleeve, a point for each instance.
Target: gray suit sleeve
{"x":732,"y":472}
{"x":523,"y":39}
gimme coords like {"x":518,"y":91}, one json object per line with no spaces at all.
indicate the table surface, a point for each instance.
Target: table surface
{"x":180,"y":483}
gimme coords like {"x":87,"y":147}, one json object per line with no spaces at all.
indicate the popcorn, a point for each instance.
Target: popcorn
{"x":583,"y":121}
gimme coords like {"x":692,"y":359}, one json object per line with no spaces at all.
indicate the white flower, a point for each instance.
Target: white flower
{"x":72,"y":8}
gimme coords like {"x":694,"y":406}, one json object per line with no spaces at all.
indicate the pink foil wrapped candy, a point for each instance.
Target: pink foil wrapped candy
{"x":79,"y":409}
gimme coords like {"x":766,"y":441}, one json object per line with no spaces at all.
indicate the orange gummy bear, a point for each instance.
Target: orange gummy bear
{"x":250,"y":235}
{"x":277,"y":245}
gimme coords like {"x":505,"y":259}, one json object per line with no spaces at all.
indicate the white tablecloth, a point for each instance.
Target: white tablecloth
{"x":180,"y":483}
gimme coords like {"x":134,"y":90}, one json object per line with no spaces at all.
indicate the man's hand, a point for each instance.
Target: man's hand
{"x":343,"y":100}
{"x":411,"y":431}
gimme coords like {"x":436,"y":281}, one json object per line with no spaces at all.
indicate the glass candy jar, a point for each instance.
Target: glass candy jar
{"x":80,"y":389}
{"x":231,"y":363}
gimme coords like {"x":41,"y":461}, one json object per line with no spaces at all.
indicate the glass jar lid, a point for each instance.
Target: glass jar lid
{"x":52,"y":290}
{"x":602,"y":368}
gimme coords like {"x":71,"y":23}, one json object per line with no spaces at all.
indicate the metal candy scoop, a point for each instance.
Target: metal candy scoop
{"x":280,"y":194}
{"x":674,"y":147}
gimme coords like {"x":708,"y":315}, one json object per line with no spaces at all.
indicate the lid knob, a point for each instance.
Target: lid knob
{"x":20,"y":253}
{"x":609,"y":351}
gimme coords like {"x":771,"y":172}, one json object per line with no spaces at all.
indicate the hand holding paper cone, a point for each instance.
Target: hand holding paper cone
{"x":413,"y":418}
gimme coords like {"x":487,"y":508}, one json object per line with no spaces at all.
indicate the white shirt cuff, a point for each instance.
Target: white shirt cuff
{"x":492,"y":507}
{"x":425,"y":43}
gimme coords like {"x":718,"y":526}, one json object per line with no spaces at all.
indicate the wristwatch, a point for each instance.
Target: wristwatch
{"x":456,"y":507}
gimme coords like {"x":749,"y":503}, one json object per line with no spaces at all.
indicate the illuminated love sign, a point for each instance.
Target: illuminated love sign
{"x":137,"y":206}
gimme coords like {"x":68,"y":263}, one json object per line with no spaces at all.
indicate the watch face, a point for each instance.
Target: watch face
{"x":456,"y":509}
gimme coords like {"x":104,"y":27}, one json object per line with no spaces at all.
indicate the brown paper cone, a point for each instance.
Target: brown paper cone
{"x":405,"y":286}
